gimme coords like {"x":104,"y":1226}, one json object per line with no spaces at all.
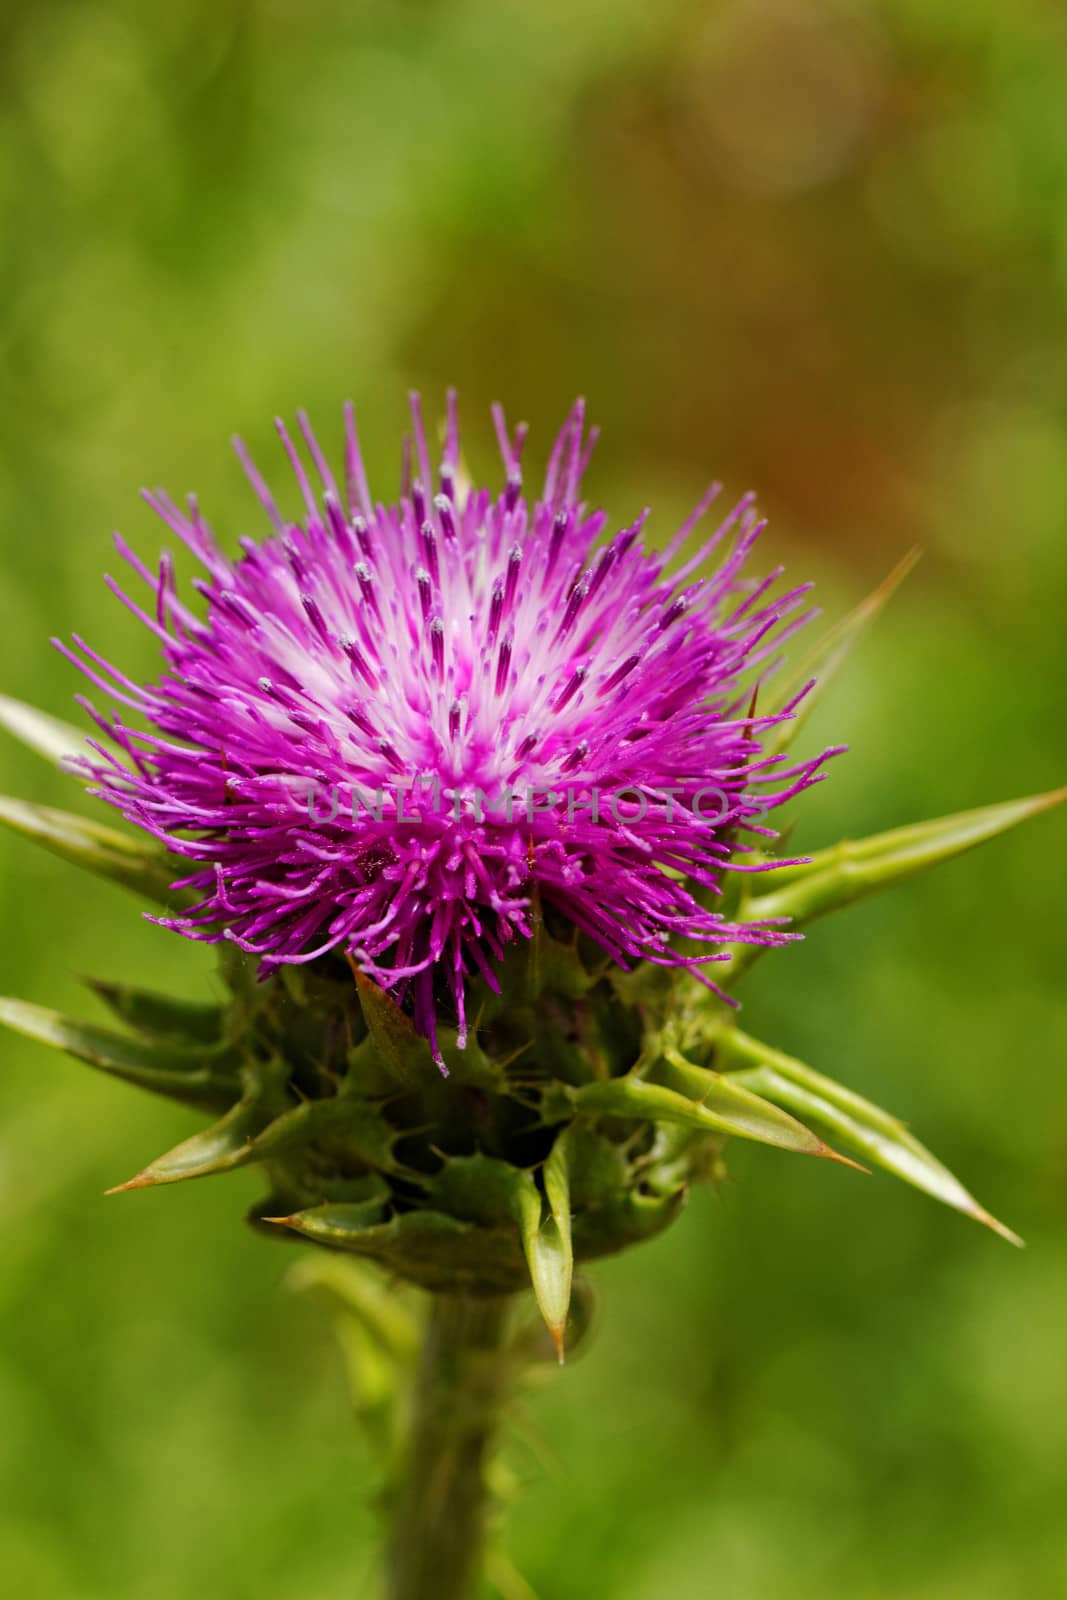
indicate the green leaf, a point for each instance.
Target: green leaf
{"x":96,"y":847}
{"x":551,"y":1252}
{"x":707,"y":1101}
{"x":543,"y":1256}
{"x":219,"y":1148}
{"x":405,"y":1052}
{"x":822,"y":662}
{"x":479,"y":1188}
{"x":850,"y":1120}
{"x":482,"y":1190}
{"x":354,"y":1225}
{"x":205,"y":1078}
{"x":361,"y":1124}
{"x":550,"y":964}
{"x":393,"y":1043}
{"x":428,"y":1247}
{"x":160,"y":1015}
{"x":55,"y":740}
{"x":855,"y":868}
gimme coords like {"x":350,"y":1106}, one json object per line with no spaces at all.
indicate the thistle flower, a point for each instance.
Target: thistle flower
{"x":435,"y":660}
{"x":399,"y":727}
{"x":511,"y":770}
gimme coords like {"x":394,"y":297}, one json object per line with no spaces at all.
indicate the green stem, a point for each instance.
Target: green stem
{"x":441,"y":1508}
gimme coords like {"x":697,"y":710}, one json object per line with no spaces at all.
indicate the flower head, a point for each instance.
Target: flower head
{"x":398,"y":727}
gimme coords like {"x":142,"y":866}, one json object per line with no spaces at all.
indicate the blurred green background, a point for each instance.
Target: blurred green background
{"x":815,"y":248}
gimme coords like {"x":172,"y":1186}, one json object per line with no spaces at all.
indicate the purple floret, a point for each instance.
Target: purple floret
{"x":398,"y":724}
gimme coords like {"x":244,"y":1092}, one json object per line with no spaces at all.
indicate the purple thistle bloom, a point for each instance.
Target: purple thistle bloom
{"x":399,"y":723}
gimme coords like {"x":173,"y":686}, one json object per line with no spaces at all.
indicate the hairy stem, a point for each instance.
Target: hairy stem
{"x":442,"y":1503}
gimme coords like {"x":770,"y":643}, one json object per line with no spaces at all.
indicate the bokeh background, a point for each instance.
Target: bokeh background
{"x":813,"y":247}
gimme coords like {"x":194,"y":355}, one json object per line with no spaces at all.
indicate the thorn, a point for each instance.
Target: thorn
{"x":283,"y":1222}
{"x":558,"y":1330}
{"x":142,"y":1180}
{"x":999,"y":1227}
{"x":844,"y":1161}
{"x":1045,"y":802}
